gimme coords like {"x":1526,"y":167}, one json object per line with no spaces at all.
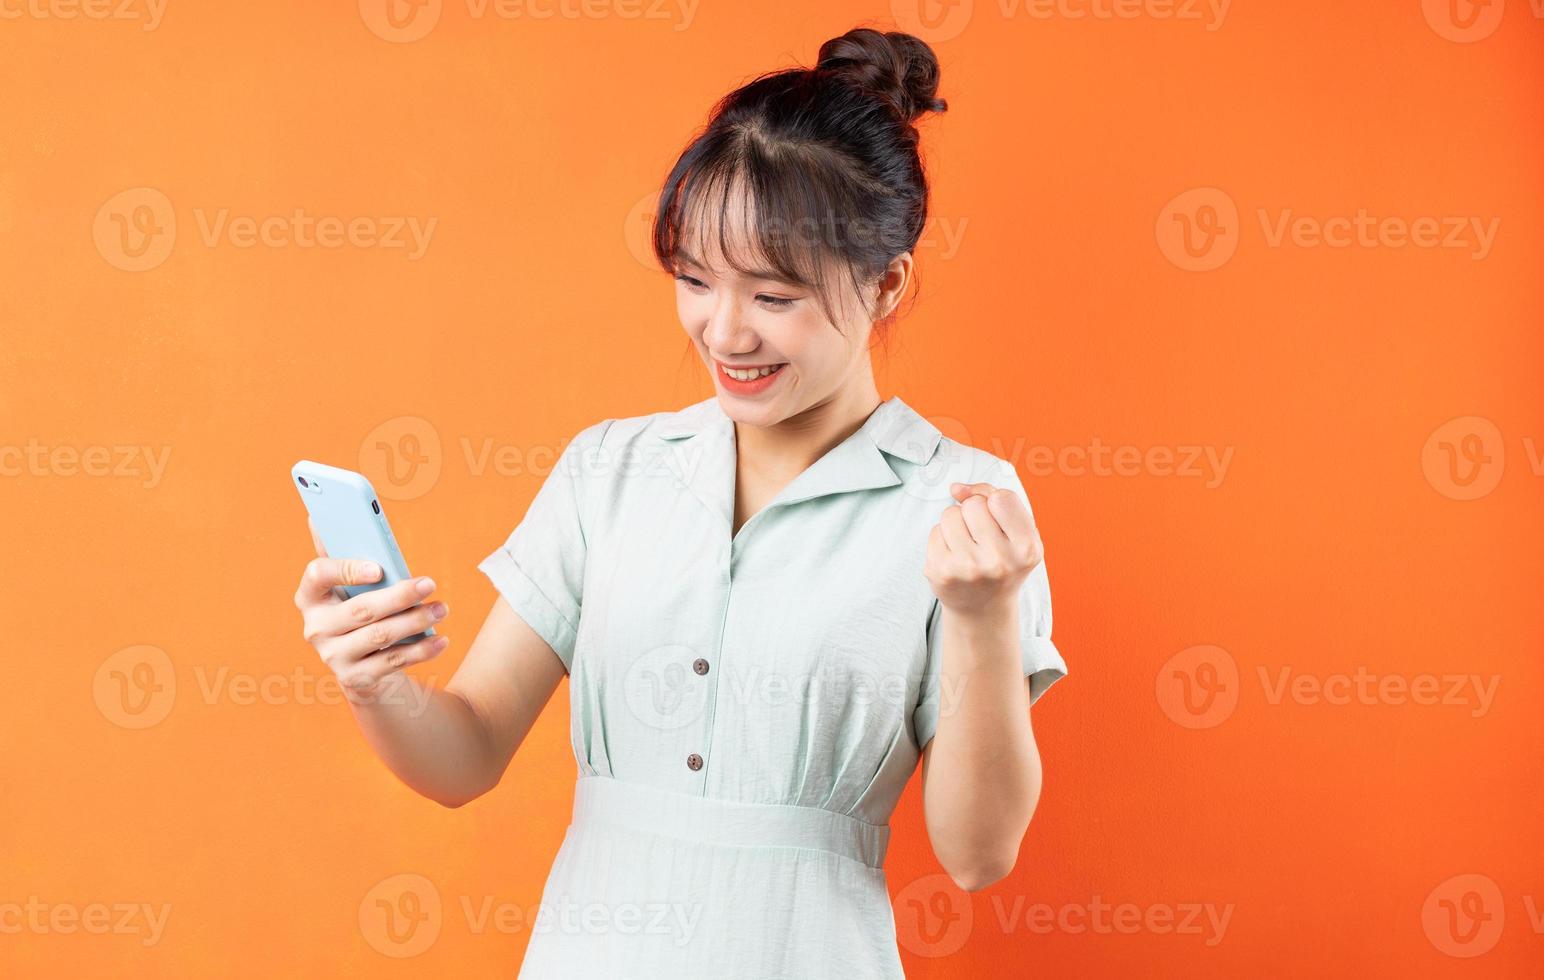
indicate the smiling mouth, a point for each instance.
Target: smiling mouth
{"x":749,"y":373}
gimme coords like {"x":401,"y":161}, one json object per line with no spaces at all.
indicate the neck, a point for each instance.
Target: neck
{"x":796,"y":442}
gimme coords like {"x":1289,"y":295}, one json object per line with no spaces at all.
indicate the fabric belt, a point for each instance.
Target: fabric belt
{"x":605,"y":800}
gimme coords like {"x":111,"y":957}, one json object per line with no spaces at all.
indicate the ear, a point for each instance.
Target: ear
{"x":892,"y":285}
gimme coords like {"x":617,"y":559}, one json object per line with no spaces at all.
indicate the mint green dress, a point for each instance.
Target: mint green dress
{"x":746,"y":708}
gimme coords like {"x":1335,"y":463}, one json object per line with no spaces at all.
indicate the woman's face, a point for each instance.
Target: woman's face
{"x":755,"y":322}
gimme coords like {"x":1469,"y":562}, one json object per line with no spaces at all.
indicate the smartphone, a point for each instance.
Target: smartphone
{"x":351,"y":523}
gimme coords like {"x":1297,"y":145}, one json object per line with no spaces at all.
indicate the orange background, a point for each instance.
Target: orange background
{"x":1057,"y":318}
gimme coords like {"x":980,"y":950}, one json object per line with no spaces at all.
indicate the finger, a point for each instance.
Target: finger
{"x":374,"y":606}
{"x":956,"y":534}
{"x":937,"y":547}
{"x":374,"y":668}
{"x":323,"y":574}
{"x":969,"y":489}
{"x":357,"y":644}
{"x":980,"y":522}
{"x":1013,"y":516}
{"x":321,"y":552}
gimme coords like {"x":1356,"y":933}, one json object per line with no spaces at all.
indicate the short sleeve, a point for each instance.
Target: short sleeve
{"x":1042,"y":662}
{"x":539,"y":569}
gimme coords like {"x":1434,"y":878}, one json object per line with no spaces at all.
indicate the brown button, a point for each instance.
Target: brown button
{"x":694,"y":762}
{"x":700,"y":665}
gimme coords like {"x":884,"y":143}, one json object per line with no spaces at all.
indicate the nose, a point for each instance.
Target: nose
{"x":726,"y":332}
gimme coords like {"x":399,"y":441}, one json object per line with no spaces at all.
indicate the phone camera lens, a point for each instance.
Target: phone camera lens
{"x":302,"y":481}
{"x":375,"y":505}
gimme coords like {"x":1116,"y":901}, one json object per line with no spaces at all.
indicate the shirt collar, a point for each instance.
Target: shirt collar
{"x":858,"y":462}
{"x":894,"y":427}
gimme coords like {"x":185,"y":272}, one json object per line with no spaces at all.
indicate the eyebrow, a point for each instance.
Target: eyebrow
{"x":767,"y":274}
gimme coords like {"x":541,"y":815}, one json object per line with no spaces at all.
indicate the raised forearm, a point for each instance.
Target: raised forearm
{"x":984,"y":767}
{"x":430,"y":738}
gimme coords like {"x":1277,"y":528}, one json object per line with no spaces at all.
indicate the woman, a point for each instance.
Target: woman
{"x":783,"y":607}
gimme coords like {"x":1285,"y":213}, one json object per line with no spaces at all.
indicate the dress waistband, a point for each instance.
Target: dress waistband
{"x":607,"y":800}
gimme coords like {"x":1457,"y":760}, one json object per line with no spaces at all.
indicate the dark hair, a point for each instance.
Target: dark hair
{"x":828,"y":158}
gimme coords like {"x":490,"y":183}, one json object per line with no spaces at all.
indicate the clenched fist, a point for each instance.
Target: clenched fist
{"x":982,"y":549}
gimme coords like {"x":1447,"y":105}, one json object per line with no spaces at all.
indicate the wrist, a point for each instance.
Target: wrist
{"x":370,"y":695}
{"x":989,"y":619}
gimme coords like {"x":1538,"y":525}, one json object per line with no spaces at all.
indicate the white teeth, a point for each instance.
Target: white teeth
{"x":751,"y":375}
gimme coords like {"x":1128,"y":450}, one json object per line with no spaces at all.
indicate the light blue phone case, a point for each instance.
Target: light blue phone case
{"x":352,"y":524}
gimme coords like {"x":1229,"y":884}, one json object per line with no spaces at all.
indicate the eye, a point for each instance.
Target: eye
{"x":690,"y":281}
{"x":775,"y":302}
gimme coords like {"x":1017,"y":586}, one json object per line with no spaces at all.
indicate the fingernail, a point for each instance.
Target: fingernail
{"x":369,"y":570}
{"x":425,"y":586}
{"x":438,"y":611}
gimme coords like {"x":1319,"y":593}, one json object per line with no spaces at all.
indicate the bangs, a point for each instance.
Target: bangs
{"x":732,"y":204}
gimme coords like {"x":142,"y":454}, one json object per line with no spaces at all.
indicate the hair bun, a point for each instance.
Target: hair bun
{"x":898,"y":68}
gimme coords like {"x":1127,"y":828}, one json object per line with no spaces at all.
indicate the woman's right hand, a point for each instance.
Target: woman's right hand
{"x":354,"y":636}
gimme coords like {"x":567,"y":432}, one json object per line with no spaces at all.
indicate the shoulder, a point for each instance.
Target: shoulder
{"x":964,"y":463}
{"x":609,"y":445}
{"x":931,"y":455}
{"x":636,"y":431}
